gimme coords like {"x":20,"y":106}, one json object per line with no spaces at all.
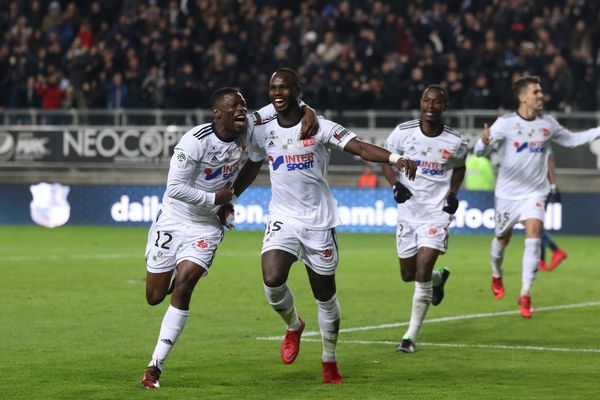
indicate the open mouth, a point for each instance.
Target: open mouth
{"x":279,"y":102}
{"x":240,"y":120}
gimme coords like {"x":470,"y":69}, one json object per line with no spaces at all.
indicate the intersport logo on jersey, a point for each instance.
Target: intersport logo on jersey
{"x":532,"y":146}
{"x":293,"y":162}
{"x":226,"y":172}
{"x":431,"y":168}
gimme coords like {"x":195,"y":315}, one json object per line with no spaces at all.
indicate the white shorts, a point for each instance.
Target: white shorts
{"x":317,"y":248}
{"x":171,"y":242}
{"x":410,"y":237}
{"x":511,"y":212}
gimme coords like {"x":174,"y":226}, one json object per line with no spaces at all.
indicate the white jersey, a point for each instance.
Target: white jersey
{"x":524,"y":146}
{"x":201,"y":164}
{"x":298,"y":171}
{"x":436,"y":157}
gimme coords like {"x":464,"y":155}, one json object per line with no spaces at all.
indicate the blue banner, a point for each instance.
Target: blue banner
{"x":361,"y":210}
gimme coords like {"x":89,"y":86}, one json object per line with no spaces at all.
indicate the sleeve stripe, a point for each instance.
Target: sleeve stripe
{"x":409,"y":124}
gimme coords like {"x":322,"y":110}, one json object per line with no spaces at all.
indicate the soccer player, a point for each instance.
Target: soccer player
{"x":302,"y":212}
{"x":554,"y":196}
{"x":425,"y":205}
{"x":183,"y":239}
{"x":524,"y":137}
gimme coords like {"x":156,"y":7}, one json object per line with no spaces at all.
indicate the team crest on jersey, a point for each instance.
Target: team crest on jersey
{"x":288,"y":144}
{"x":545,"y":132}
{"x":339,"y":132}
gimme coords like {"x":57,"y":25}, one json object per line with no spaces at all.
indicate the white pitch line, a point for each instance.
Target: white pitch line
{"x":140,"y":255}
{"x":443,"y":319}
{"x":73,"y":257}
{"x":475,"y":346}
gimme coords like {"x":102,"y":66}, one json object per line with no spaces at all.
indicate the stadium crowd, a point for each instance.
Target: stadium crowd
{"x":355,"y":54}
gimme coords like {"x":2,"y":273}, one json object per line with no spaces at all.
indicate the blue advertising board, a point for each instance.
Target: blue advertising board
{"x":361,"y":210}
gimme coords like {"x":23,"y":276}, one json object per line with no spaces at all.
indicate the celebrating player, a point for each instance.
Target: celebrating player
{"x":425,"y":205}
{"x":302,"y":212}
{"x":524,"y":137}
{"x":188,"y":229}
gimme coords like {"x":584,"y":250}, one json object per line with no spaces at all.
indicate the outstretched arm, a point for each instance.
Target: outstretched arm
{"x":370,"y":152}
{"x":566,"y":138}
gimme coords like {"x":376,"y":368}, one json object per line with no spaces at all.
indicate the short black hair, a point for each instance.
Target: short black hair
{"x":218,"y":95}
{"x":293,"y":73}
{"x":521,"y":84}
{"x":441,"y":89}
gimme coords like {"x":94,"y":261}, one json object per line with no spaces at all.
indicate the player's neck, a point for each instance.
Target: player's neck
{"x":527,"y":113}
{"x":289,"y":117}
{"x":431,"y":129}
{"x":223,"y":133}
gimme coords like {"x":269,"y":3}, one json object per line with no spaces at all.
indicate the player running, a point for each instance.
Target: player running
{"x":302,"y":213}
{"x":183,"y":239}
{"x":425,"y":205}
{"x":524,"y":138}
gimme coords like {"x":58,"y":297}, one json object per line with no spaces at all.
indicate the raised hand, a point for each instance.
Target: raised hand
{"x":409,"y":167}
{"x":309,"y":125}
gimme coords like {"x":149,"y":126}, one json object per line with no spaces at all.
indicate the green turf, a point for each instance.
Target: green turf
{"x":75,"y":325}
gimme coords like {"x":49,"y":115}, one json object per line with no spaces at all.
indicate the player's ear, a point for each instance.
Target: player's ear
{"x":217,"y":113}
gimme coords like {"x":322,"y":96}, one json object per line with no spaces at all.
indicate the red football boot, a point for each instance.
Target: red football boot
{"x":291,"y":344}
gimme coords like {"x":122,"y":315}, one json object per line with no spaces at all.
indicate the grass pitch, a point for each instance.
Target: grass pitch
{"x":75,"y":325}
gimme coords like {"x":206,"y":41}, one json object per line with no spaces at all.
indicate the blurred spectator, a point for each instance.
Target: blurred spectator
{"x":52,"y":91}
{"x":368,"y":178}
{"x":116,"y":92}
{"x":360,"y":54}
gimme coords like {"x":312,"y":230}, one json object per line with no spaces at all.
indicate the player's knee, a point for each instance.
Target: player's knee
{"x":407,"y":276}
{"x":272,"y":278}
{"x":155,"y":297}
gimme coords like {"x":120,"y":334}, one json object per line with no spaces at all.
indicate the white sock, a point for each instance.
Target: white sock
{"x":329,"y":323}
{"x":282,"y":301}
{"x":497,"y":257}
{"x":172,"y":324}
{"x":531,"y":259}
{"x":421,"y":300}
{"x":436,"y":278}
